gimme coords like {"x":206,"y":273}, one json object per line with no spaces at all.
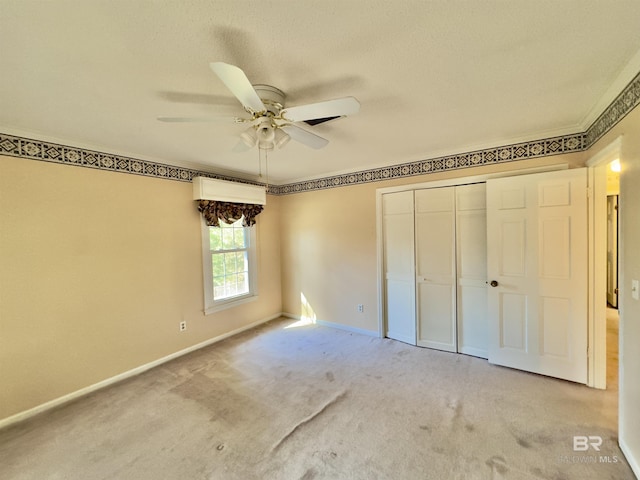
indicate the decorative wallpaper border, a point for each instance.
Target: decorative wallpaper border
{"x":56,"y":153}
{"x":626,"y":101}
{"x":502,"y":154}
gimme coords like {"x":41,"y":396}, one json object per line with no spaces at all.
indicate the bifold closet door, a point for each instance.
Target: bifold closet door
{"x":471,"y":267}
{"x":435,"y":268}
{"x":398,"y":266}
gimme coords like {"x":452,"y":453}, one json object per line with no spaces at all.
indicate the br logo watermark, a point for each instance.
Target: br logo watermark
{"x":583,"y":444}
{"x":590,"y":444}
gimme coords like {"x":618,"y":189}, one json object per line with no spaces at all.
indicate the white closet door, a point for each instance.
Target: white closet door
{"x":537,"y":256}
{"x":399,"y":269}
{"x":435,"y":268}
{"x":471,"y":245}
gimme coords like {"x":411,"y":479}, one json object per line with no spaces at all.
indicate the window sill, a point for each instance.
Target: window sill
{"x":230,"y":303}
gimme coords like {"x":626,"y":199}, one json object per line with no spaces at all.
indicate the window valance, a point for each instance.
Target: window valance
{"x":213,"y":211}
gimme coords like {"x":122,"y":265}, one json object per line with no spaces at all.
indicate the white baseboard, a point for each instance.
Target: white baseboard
{"x":339,"y":326}
{"x":18,"y":417}
{"x":631,"y":460}
{"x":348,"y":328}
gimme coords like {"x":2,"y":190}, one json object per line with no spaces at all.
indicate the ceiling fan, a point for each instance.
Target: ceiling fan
{"x":271,"y":123}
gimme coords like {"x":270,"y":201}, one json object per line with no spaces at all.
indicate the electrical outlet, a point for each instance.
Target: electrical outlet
{"x":183,"y":326}
{"x":360,"y":307}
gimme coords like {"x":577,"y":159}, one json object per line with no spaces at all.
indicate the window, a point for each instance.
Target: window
{"x":229,"y":265}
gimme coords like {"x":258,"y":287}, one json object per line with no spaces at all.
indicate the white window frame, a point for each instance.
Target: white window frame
{"x":210,"y":304}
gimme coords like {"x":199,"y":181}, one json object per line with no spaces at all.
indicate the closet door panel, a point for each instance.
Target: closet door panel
{"x":436,"y":313}
{"x":471,"y":246}
{"x":399,"y":266}
{"x":473,"y":334}
{"x":435,"y":268}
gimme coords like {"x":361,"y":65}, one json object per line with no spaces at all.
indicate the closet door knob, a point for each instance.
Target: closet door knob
{"x":493,"y":283}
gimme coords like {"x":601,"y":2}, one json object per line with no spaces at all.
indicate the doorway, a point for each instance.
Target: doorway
{"x":613,"y":319}
{"x":603,"y":181}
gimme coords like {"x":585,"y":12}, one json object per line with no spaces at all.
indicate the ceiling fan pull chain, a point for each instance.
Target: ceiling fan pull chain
{"x":265,"y":152}
{"x":266,"y":166}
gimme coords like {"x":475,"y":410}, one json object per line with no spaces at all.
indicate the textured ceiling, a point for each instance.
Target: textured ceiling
{"x":433,"y":78}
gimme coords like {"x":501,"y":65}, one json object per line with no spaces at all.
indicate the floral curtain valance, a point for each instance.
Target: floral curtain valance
{"x":214,"y":211}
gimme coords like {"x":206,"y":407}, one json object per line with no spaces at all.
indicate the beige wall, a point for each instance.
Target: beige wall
{"x":329,"y":245}
{"x":97,"y":269}
{"x":329,"y":254}
{"x":629,"y":268}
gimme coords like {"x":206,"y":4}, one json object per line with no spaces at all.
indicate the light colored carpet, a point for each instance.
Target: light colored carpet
{"x":318,"y":403}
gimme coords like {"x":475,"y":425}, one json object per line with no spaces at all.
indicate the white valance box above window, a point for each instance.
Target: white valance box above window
{"x":223,"y":191}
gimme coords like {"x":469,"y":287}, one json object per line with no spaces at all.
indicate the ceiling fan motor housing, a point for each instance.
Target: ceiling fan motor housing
{"x":272,"y":97}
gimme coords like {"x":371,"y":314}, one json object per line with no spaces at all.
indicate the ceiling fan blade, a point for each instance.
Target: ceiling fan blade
{"x":238,"y":83}
{"x":330,"y":108}
{"x":208,"y":118}
{"x":309,"y":139}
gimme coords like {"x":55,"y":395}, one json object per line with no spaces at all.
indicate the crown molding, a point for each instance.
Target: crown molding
{"x":626,"y":101}
{"x":626,"y":76}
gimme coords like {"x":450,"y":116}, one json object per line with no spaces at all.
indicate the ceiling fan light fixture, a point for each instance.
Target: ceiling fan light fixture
{"x":265,"y":145}
{"x":249,"y":137}
{"x":281,"y":138}
{"x":265,"y":131}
